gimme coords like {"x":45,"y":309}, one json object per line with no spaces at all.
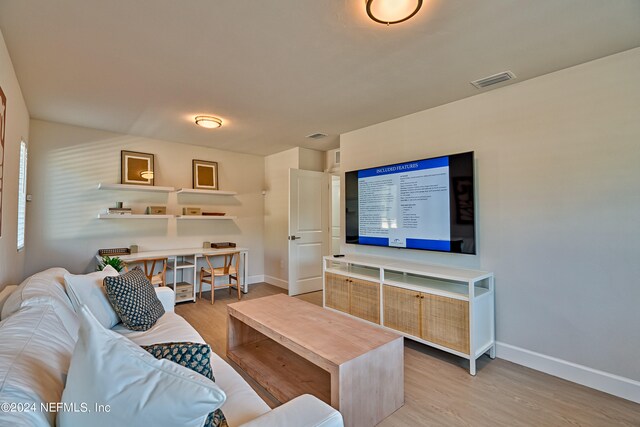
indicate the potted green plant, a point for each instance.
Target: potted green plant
{"x":114,"y":262}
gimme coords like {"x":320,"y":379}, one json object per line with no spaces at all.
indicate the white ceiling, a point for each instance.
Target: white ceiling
{"x":278,"y":70}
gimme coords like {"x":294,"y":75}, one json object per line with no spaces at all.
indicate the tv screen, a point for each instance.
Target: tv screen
{"x":424,"y":204}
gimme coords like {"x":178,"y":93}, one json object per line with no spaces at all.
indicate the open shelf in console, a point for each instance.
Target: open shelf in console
{"x":353,"y":270}
{"x":444,"y":287}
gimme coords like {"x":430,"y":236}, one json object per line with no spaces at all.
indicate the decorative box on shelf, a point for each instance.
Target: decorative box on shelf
{"x":223,"y":245}
{"x":114,"y":251}
{"x":191,"y":211}
{"x":156,"y":210}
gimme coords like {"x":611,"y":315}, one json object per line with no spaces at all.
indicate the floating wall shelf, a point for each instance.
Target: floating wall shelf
{"x":158,"y":189}
{"x":210,"y":192}
{"x":128,"y":187}
{"x":134,"y":216}
{"x":205,"y":217}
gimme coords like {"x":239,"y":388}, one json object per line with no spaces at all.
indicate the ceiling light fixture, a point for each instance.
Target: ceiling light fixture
{"x":392,"y":11}
{"x":208,"y":122}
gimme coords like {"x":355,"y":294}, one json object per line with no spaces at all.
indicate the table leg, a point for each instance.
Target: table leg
{"x":369,"y":388}
{"x":245,"y":282}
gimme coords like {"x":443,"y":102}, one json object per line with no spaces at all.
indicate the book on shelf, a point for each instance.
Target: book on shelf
{"x":119,"y":211}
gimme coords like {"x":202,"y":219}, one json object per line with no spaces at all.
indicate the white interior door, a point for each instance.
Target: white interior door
{"x":308,"y":229}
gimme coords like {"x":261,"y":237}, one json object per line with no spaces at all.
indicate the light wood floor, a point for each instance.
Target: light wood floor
{"x":439,"y":390}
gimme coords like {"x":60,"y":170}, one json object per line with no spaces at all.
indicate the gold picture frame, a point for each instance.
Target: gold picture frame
{"x":136,"y":168}
{"x":205,"y":175}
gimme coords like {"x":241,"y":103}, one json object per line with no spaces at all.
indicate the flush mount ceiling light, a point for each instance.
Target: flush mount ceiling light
{"x":392,"y":11}
{"x":208,"y":122}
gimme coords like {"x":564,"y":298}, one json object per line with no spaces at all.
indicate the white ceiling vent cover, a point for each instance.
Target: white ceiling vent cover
{"x":317,"y":135}
{"x":494,"y":79}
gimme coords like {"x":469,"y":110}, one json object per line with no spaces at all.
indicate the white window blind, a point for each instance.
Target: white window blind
{"x":22,"y":194}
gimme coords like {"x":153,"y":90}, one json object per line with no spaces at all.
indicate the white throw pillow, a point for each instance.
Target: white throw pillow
{"x":109,"y":369}
{"x":87,"y":289}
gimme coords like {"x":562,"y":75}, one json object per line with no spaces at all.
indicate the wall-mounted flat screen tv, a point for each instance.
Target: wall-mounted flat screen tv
{"x":423,"y":204}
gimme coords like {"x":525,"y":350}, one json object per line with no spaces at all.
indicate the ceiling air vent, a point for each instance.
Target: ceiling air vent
{"x":494,"y":79}
{"x":316,"y":135}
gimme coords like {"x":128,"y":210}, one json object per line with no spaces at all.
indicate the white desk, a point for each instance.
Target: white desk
{"x":186,"y":260}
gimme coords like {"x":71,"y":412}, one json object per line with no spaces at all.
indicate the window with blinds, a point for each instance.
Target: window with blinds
{"x":22,"y":194}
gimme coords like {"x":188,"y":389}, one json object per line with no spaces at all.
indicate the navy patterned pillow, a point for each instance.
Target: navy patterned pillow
{"x":196,"y":357}
{"x":134,"y":300}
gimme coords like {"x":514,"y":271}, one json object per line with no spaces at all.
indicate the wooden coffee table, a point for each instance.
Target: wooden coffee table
{"x":291,"y":347}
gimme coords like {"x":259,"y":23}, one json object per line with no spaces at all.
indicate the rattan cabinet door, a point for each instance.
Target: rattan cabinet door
{"x":364,"y":301}
{"x":445,"y":321}
{"x":402,"y":310}
{"x":336,"y":292}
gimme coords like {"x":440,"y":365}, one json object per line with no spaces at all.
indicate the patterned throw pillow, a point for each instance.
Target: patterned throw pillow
{"x":134,"y":299}
{"x":196,"y":357}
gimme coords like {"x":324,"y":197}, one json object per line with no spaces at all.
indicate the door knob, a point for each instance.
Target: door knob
{"x":294,"y":237}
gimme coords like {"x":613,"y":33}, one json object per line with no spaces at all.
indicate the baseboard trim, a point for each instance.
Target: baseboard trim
{"x":276,"y":282}
{"x":255,"y":279}
{"x":616,"y":385}
{"x":251,"y":280}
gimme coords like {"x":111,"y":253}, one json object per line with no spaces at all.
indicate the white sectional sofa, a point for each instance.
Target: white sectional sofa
{"x":38,"y":331}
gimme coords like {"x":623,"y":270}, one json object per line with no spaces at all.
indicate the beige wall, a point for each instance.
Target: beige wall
{"x":330,"y":161}
{"x":310,"y":160}
{"x":17,"y":128}
{"x":66,"y":164}
{"x":558,"y":186}
{"x":276,"y":220}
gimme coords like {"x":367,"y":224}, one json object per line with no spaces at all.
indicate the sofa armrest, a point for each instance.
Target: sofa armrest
{"x":167,"y":297}
{"x":303,"y":411}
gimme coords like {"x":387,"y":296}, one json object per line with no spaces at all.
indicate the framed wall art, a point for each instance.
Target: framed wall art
{"x":3,"y":126}
{"x":205,"y":175}
{"x":136,"y":168}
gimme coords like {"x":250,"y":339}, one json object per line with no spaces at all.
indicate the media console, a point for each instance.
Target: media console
{"x":449,"y":308}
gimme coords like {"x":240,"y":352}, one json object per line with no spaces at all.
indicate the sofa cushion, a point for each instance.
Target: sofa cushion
{"x":134,"y":299}
{"x":169,"y":328}
{"x":243,"y":403}
{"x":35,"y":351}
{"x":44,"y":288}
{"x":195,"y":357}
{"x":88,"y":289}
{"x":4,"y":294}
{"x":140,"y":389}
